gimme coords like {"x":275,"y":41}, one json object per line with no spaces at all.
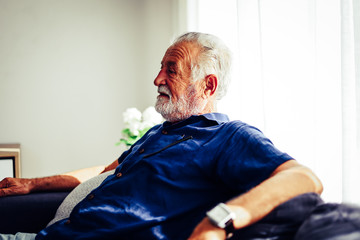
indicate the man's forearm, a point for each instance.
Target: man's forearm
{"x":53,"y":183}
{"x":288,"y":181}
{"x":20,"y":186}
{"x":66,"y":181}
{"x":63,"y":182}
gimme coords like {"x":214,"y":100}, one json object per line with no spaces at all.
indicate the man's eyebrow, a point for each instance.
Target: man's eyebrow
{"x":171,"y":64}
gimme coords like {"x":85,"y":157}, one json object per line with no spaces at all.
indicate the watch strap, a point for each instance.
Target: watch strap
{"x":229,"y":229}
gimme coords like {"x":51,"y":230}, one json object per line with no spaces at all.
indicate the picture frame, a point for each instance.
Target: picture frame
{"x":9,"y":160}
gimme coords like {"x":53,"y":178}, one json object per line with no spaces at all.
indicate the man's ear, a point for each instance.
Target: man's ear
{"x":210,"y":85}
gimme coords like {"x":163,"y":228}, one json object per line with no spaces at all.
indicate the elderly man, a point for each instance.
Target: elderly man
{"x":197,"y":175}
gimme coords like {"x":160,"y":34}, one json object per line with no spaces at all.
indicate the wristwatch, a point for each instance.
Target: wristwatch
{"x":221,"y":216}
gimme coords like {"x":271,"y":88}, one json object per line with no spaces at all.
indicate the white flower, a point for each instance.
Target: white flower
{"x":131,"y":115}
{"x":150,"y":117}
{"x":137,"y":123}
{"x":134,"y":127}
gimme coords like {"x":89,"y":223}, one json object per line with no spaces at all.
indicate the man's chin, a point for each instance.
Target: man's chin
{"x":166,"y":113}
{"x":160,"y":107}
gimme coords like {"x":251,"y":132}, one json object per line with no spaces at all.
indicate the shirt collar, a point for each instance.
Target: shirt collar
{"x":217,"y":117}
{"x":214,"y":116}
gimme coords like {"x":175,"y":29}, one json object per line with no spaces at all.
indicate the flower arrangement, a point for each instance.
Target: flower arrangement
{"x":137,"y":124}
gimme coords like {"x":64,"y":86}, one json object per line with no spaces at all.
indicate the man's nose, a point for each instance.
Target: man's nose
{"x":161,"y":78}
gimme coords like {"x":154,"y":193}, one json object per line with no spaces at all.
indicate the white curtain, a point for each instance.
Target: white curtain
{"x":351,"y":98}
{"x":296,"y":77}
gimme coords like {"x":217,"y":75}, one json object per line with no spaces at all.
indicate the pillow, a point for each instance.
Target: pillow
{"x":78,"y":194}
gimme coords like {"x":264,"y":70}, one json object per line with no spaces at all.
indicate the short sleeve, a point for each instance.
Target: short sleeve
{"x":247,"y":158}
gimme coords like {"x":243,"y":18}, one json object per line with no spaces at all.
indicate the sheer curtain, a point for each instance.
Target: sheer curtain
{"x":295,"y":77}
{"x":351,"y":98}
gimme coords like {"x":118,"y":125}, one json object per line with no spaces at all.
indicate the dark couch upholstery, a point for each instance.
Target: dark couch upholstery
{"x":28,"y":213}
{"x":31,"y":213}
{"x":305,"y":217}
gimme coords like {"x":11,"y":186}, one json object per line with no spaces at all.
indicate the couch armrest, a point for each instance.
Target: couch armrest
{"x":28,"y":213}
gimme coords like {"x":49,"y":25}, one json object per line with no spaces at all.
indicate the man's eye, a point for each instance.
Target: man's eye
{"x":171,"y":71}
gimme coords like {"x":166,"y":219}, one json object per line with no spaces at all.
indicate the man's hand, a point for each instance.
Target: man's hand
{"x":14,"y":186}
{"x":205,"y":230}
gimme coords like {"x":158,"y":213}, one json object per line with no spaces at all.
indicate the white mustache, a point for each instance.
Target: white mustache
{"x":164,"y":89}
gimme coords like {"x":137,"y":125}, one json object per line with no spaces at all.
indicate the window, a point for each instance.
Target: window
{"x":294,"y":78}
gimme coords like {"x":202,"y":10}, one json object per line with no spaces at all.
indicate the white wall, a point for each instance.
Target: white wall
{"x":68,"y":69}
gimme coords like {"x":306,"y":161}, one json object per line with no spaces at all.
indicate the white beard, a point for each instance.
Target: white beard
{"x":187,"y":105}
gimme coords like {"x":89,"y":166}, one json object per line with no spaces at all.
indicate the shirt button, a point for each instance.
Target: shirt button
{"x":91,"y":196}
{"x":164,"y":132}
{"x":141,"y":151}
{"x":119,"y":175}
{"x":68,"y":222}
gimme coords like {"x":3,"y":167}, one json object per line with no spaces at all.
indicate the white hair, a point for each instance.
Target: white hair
{"x":214,"y":58}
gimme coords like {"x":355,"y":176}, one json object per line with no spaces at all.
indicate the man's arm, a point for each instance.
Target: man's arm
{"x":63,"y":182}
{"x":289,"y":180}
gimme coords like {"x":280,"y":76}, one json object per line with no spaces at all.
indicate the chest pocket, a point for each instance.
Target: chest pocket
{"x":168,"y":146}
{"x":174,"y":162}
{"x":170,"y":160}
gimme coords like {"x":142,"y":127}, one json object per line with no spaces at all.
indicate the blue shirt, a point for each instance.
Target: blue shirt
{"x":168,"y":180}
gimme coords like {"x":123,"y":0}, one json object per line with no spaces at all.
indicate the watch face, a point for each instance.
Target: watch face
{"x":220,"y":215}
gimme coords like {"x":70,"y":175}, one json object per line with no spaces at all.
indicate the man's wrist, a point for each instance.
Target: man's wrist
{"x":35,"y":184}
{"x":243,"y":216}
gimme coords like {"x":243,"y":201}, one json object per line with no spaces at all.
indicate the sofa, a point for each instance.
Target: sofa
{"x":305,"y":217}
{"x":28,"y":213}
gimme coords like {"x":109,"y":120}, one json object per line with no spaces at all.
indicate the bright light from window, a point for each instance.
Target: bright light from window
{"x":286,"y":75}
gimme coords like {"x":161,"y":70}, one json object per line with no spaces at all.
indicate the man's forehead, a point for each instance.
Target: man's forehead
{"x":179,"y":52}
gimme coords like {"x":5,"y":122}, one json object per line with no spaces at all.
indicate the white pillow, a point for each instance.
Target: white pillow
{"x":78,"y":194}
